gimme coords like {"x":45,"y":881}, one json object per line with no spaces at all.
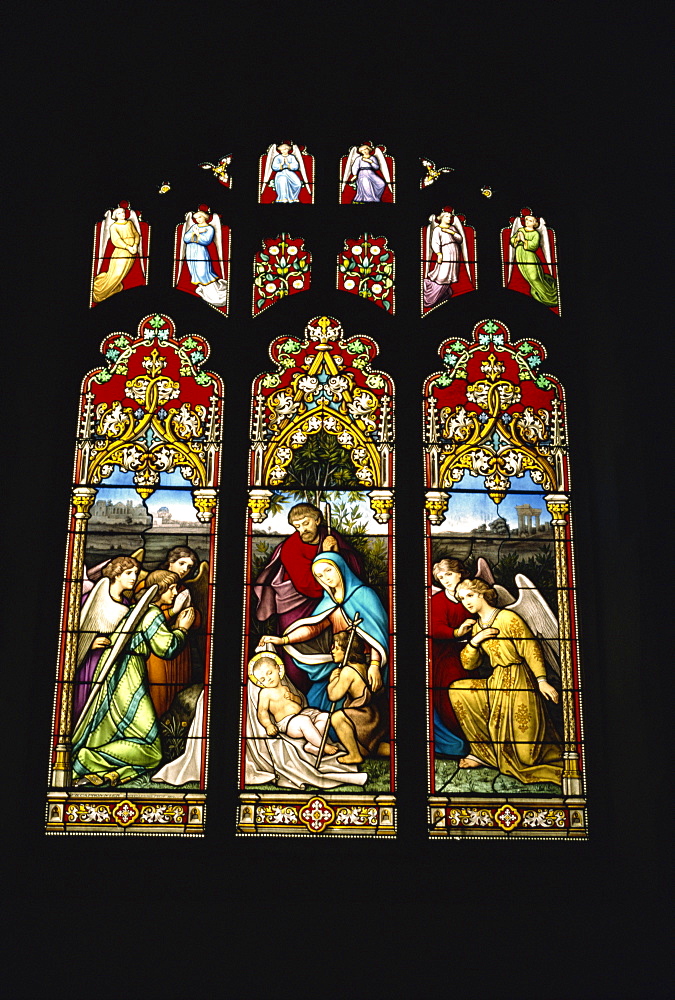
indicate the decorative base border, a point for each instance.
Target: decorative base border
{"x":310,"y":815}
{"x":458,"y":817}
{"x":115,"y":813}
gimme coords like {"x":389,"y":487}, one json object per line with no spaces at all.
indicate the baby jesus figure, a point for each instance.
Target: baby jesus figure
{"x":280,"y":711}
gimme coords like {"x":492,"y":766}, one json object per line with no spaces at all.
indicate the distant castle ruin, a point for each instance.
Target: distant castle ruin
{"x":117,"y":515}
{"x":526,"y":515}
{"x":529,"y":523}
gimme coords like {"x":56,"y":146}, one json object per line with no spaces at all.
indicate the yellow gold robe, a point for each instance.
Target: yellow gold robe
{"x":503,"y":716}
{"x":124,"y":237}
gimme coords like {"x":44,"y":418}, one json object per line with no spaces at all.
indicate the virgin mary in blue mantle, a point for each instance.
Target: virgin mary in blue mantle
{"x":337,"y":609}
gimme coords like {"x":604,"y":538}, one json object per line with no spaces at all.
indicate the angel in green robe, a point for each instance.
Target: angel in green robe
{"x":527,"y":236}
{"x":116,"y":737}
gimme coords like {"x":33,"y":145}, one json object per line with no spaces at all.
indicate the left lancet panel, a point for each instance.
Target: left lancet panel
{"x":131,"y":711}
{"x":121,"y":256}
{"x":318,"y":680}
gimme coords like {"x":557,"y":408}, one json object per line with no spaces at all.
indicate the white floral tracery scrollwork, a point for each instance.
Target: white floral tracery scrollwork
{"x":331,"y":404}
{"x":150,"y":440}
{"x":495,"y":444}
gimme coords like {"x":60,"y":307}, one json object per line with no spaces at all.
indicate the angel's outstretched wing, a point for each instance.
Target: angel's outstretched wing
{"x":517,"y":224}
{"x":545,"y":243}
{"x":349,"y":166}
{"x":484,"y":572}
{"x":504,"y":598}
{"x":463,"y":247}
{"x":218,"y":240}
{"x":181,"y":245}
{"x":100,"y":614}
{"x":139,"y":556}
{"x":382,"y":163}
{"x":428,"y":233}
{"x":137,"y":227}
{"x":92,"y":576}
{"x":532,"y":607}
{"x":104,"y":236}
{"x":301,"y":165}
{"x":199,"y":588}
{"x":267,"y":169}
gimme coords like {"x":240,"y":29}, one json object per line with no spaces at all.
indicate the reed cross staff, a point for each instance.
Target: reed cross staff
{"x":352,"y":630}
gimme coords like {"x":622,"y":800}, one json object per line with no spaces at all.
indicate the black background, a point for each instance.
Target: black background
{"x":556,"y":110}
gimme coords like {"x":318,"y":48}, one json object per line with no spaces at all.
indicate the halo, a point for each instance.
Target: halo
{"x":267,"y":655}
{"x":330,"y":562}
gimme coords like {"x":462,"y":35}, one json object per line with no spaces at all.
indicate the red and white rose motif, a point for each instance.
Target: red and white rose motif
{"x":283,"y":267}
{"x":366,"y":268}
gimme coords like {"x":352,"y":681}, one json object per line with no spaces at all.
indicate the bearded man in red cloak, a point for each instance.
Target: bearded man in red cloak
{"x":286,"y":587}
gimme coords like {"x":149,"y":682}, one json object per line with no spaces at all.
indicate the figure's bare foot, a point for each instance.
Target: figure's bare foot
{"x":469,"y":762}
{"x":328,"y":751}
{"x":351,"y":758}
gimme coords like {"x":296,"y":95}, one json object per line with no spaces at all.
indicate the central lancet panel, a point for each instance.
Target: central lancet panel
{"x":318,"y":678}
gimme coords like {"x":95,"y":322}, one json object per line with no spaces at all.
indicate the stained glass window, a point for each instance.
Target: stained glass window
{"x":366,"y":267}
{"x":286,"y":174}
{"x":529,"y":259}
{"x":202,"y":258}
{"x":282,"y":267}
{"x":318,"y":680}
{"x":504,"y":708}
{"x":121,"y":253}
{"x":129,"y":742}
{"x":367,"y":174}
{"x":449,"y":264}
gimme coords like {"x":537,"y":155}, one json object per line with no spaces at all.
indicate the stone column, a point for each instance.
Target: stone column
{"x":558,"y":506}
{"x":82,"y":499}
{"x":521,"y":518}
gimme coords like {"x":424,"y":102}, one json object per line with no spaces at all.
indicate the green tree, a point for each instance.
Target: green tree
{"x":320,"y":464}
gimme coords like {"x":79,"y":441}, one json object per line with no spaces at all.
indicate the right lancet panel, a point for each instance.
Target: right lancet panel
{"x":504,"y":705}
